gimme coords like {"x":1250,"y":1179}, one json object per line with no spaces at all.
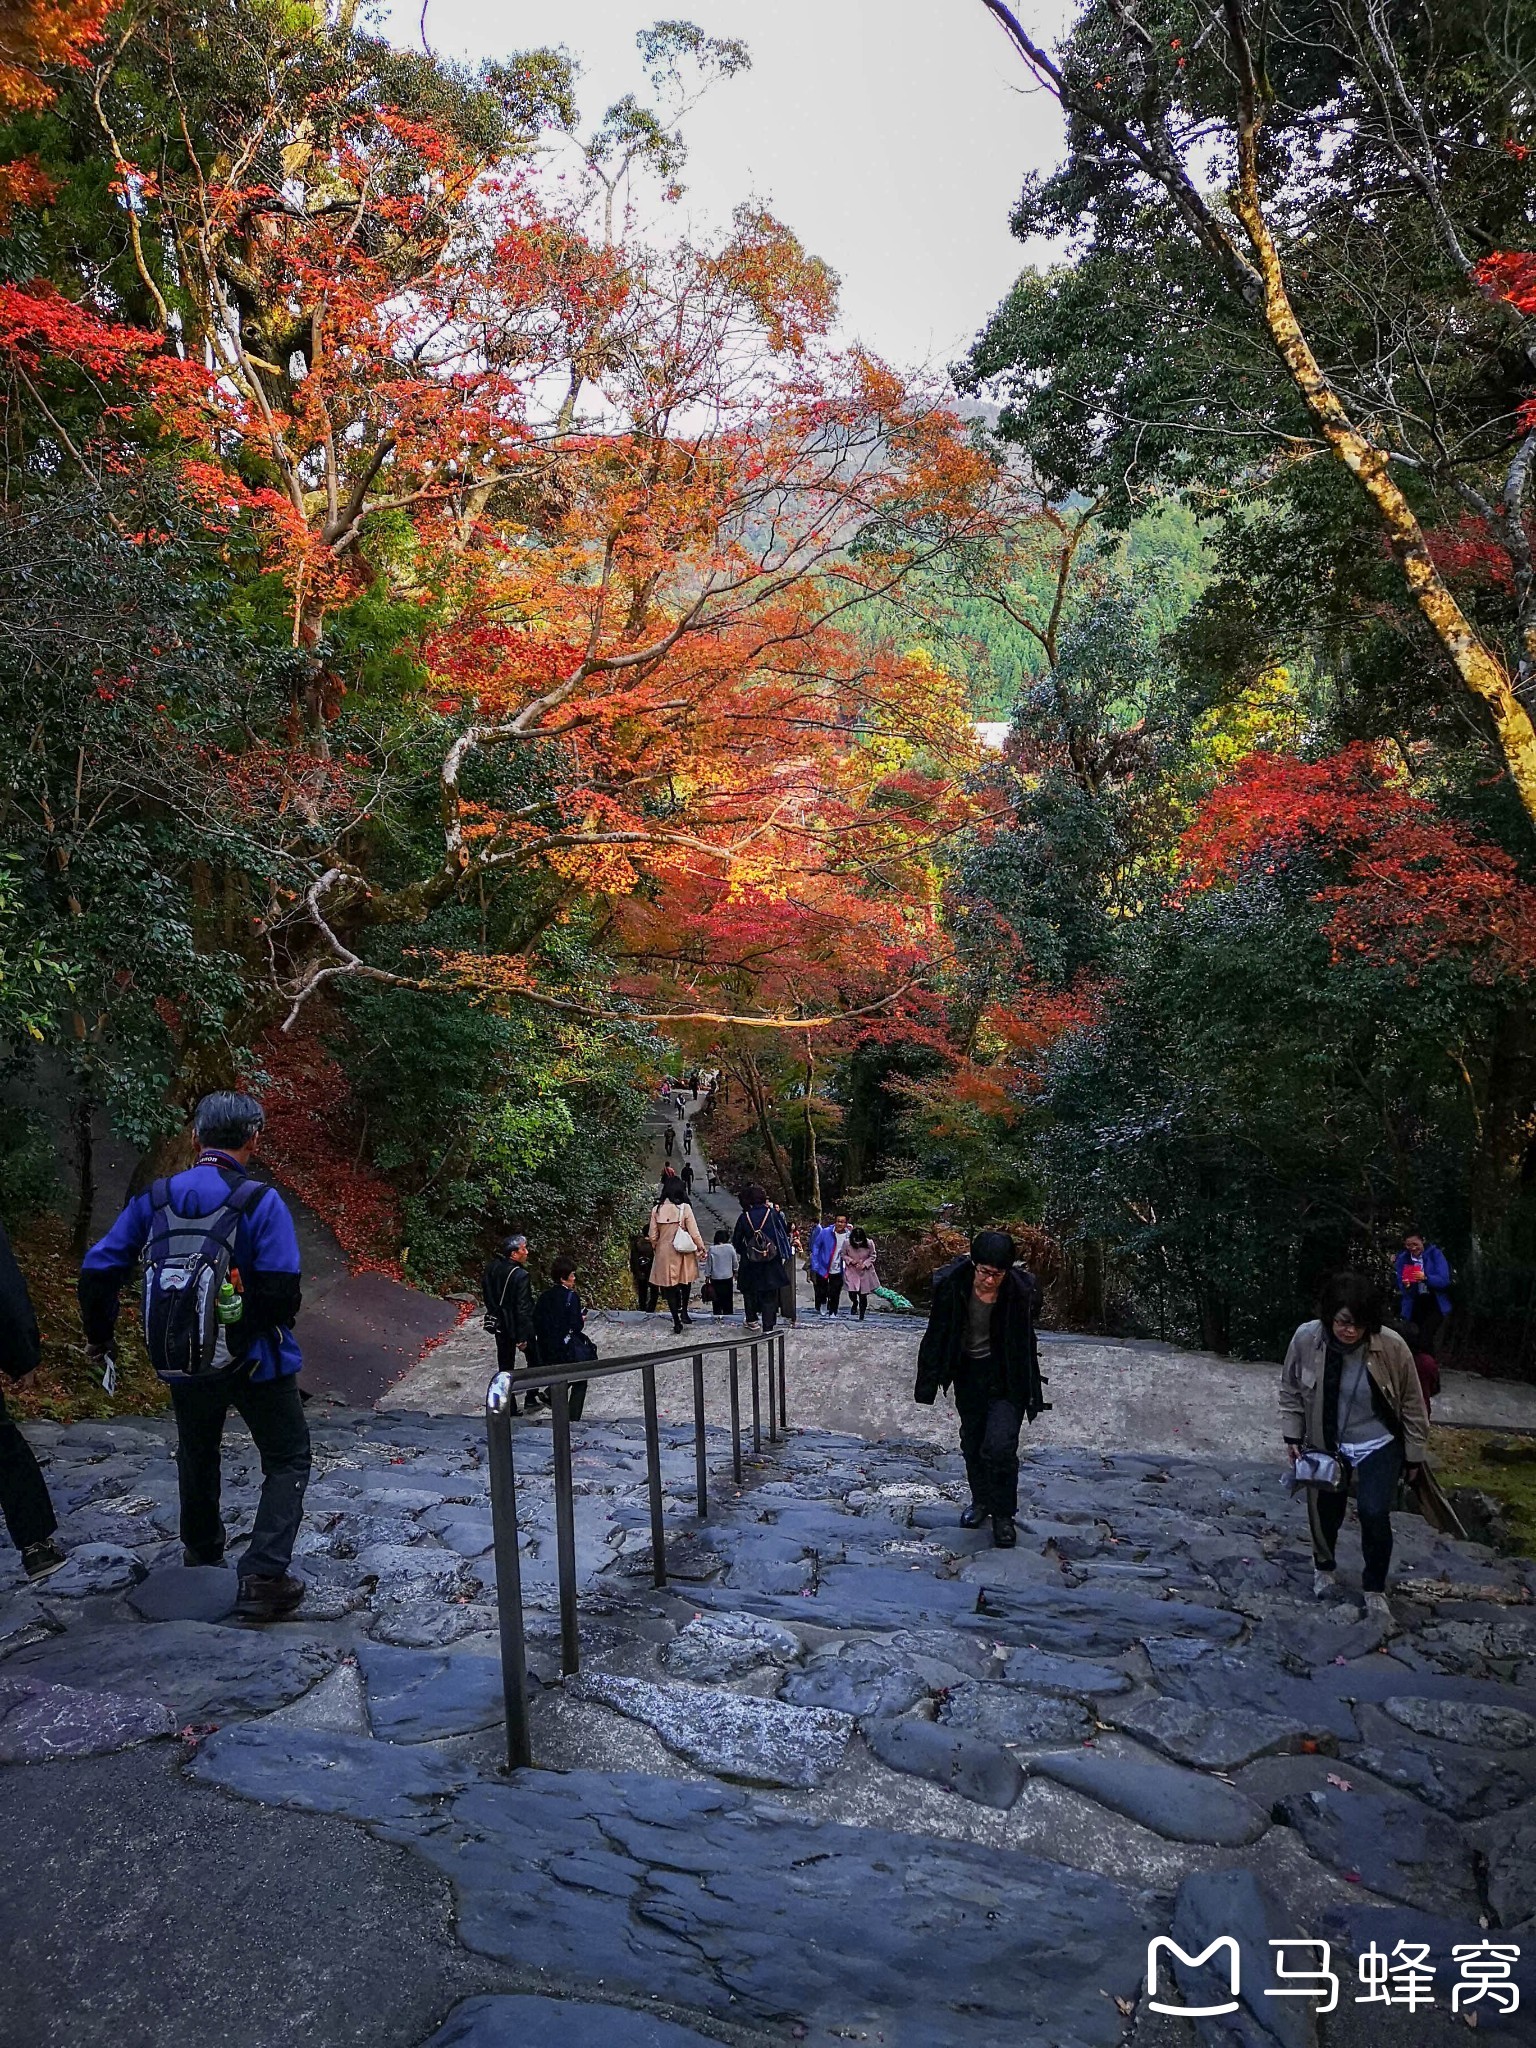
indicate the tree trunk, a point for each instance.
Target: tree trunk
{"x":810,"y":1130}
{"x":753,"y":1082}
{"x":85,"y":1174}
{"x":1480,"y":670}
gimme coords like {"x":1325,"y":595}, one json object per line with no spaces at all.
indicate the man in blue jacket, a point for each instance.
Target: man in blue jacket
{"x":264,"y":1389}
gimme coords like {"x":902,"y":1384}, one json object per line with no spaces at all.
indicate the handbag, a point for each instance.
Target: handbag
{"x":682,"y":1242}
{"x":1317,"y":1468}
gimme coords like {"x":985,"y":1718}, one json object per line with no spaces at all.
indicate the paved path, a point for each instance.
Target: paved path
{"x":1106,"y":1395}
{"x":856,"y":1776}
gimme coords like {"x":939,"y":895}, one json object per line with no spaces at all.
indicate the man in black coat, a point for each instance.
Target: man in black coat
{"x":980,"y":1340}
{"x":508,"y":1295}
{"x":24,"y":1500}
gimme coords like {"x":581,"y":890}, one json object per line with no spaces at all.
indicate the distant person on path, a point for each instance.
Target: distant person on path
{"x":711,"y":1180}
{"x":724,"y":1259}
{"x":823,"y":1245}
{"x":1350,"y":1393}
{"x":24,"y":1500}
{"x":677,"y":1243}
{"x":980,"y":1340}
{"x":682,"y":1107}
{"x":559,"y":1329}
{"x":859,"y":1271}
{"x":640,"y":1253}
{"x":686,"y":1177}
{"x":1423,"y":1285}
{"x":761,"y":1237}
{"x":508,"y":1295}
{"x":688,"y":1137}
{"x":835,"y":1264}
{"x":670,"y":1137}
{"x":176,"y":1225}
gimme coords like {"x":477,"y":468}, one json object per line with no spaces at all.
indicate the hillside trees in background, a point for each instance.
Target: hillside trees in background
{"x":473,"y":588}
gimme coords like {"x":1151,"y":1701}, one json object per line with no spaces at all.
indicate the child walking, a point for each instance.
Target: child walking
{"x":723,"y":1262}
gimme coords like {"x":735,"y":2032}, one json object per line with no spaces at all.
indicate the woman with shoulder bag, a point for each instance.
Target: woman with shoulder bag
{"x":1353,"y":1415}
{"x":678,"y":1242}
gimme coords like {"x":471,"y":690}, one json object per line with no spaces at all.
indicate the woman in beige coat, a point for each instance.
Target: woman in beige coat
{"x":674,"y":1270}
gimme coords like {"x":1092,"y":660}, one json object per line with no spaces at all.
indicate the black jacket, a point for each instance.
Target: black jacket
{"x":20,"y":1346}
{"x":763,"y":1273}
{"x":508,"y":1296}
{"x":941,"y":1355}
{"x":557,"y":1318}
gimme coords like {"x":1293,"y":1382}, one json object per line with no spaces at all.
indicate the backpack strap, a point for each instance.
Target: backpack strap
{"x":225,"y":1221}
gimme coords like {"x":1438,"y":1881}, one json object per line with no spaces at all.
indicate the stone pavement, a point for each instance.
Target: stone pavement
{"x":855,"y":1776}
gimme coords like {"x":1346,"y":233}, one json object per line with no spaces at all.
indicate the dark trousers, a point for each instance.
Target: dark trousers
{"x":722,"y":1296}
{"x":645,"y":1293}
{"x":1427,"y":1321}
{"x":989,"y":1443}
{"x":1375,"y":1486}
{"x":677,"y":1301}
{"x":834,"y":1292}
{"x":274,"y":1414}
{"x":24,"y":1501}
{"x":760,"y":1298}
{"x":859,"y":1303}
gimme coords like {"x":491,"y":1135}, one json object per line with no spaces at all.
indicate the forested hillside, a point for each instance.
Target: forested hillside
{"x":469,"y":650}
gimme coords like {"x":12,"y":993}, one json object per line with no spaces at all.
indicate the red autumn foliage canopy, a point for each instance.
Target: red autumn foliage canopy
{"x":1412,"y":889}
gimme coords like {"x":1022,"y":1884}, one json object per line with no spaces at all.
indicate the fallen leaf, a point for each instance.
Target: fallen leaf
{"x":1343,"y":1784}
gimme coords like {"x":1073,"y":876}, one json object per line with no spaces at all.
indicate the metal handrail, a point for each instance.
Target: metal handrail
{"x":499,"y":1397}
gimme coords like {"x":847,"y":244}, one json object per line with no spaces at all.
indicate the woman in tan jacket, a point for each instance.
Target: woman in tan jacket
{"x":674,"y":1270}
{"x":1350,"y":1390}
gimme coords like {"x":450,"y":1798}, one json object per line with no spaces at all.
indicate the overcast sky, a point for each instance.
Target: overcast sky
{"x":891,"y":135}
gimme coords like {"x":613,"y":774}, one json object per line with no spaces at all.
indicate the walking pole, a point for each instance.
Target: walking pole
{"x":509,"y":1572}
{"x":653,"y":1475}
{"x":700,"y":1467}
{"x":565,"y":1528}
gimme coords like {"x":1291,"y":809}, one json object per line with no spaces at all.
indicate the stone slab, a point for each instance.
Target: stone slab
{"x":1204,"y":1737}
{"x":178,"y":1592}
{"x":733,"y":1735}
{"x":1183,"y":1806}
{"x":323,"y":1771}
{"x":1094,"y":1621}
{"x":1013,"y":1714}
{"x":1393,"y":1846}
{"x":96,"y":1568}
{"x":39,"y":1723}
{"x":422,"y":1696}
{"x":961,"y":1762}
{"x":716,"y":1646}
{"x":532,"y":2022}
{"x":200,"y":1670}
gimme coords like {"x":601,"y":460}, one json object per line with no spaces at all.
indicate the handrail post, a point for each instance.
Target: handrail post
{"x":769,"y":1348}
{"x":565,"y":1528}
{"x":653,"y":1475}
{"x":757,"y":1409}
{"x":700,"y":1464}
{"x":783,"y":1384}
{"x":735,"y":1417}
{"x":509,"y":1571}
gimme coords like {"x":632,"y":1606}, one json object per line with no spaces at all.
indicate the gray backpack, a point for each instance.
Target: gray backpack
{"x":186,"y":1261}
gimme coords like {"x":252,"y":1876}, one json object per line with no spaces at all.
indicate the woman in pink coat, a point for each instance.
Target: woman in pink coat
{"x":859,"y":1276}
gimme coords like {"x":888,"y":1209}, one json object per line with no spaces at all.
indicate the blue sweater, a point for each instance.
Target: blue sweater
{"x":266,"y":1251}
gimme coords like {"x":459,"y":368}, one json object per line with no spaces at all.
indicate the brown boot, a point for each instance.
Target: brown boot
{"x":268,"y":1599}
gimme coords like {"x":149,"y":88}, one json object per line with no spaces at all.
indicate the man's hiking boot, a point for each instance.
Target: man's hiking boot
{"x":268,"y":1599}
{"x":39,"y":1560}
{"x":973,"y":1517}
{"x":1004,"y":1534}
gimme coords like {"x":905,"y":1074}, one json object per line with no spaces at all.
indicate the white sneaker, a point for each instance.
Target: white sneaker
{"x":1377,"y":1608}
{"x":1322,"y":1585}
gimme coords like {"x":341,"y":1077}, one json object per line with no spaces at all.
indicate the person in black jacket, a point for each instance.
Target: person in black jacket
{"x":24,"y":1500}
{"x":641,"y":1252}
{"x":508,"y":1295}
{"x":559,"y":1322}
{"x":761,"y":1237}
{"x":980,"y":1340}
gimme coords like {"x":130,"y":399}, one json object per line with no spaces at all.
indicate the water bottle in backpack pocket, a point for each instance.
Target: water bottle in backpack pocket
{"x":191,"y":1304}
